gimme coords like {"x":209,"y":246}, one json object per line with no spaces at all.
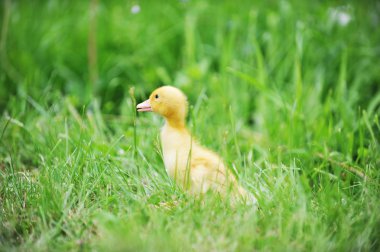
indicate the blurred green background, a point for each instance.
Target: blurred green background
{"x":287,"y":92}
{"x":46,"y":47}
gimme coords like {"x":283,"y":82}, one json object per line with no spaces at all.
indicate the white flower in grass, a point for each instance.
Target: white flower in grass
{"x":121,"y":152}
{"x":135,"y":9}
{"x":340,"y":16}
{"x":343,"y":18}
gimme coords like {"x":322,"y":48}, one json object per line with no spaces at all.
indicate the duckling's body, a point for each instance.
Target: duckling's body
{"x":188,"y":163}
{"x":194,"y":167}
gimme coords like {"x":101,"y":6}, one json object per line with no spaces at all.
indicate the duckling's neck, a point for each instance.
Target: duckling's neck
{"x":176,"y":123}
{"x":176,"y":118}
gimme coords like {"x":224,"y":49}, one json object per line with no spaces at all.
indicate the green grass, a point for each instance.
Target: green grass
{"x":285,"y":93}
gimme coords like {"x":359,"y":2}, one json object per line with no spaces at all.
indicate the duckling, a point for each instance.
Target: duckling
{"x":191,"y":165}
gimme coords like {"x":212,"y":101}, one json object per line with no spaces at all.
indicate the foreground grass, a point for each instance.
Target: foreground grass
{"x":77,"y":183}
{"x":290,"y":101}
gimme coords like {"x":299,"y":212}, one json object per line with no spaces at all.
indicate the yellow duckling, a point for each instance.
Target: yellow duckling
{"x":194,"y":167}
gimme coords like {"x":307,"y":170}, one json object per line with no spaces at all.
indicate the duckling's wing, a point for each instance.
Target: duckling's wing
{"x":208,"y":172}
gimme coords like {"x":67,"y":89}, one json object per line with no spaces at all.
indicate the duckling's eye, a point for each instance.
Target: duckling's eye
{"x":156,"y":96}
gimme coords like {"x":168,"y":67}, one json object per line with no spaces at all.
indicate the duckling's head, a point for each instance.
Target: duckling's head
{"x":168,"y":102}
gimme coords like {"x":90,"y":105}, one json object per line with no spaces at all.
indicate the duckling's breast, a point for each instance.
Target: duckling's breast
{"x":176,"y":146}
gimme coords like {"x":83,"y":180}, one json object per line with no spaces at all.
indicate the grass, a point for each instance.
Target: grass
{"x":286,"y":92}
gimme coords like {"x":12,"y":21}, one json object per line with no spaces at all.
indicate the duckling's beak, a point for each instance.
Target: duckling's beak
{"x":144,"y":106}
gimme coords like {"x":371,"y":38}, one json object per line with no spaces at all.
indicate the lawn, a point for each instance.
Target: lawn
{"x":287,"y":92}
